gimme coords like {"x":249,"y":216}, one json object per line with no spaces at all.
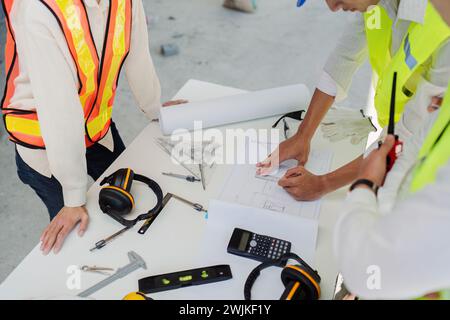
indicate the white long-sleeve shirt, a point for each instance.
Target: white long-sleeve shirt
{"x":398,"y":237}
{"x":48,"y":82}
{"x":352,"y":51}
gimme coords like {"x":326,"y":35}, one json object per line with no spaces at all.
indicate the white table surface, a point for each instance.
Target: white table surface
{"x":173,"y":240}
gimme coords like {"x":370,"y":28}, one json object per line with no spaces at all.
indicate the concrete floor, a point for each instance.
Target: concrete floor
{"x":276,"y":46}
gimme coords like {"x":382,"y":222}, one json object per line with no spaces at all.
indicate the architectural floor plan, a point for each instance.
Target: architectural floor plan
{"x":244,"y":187}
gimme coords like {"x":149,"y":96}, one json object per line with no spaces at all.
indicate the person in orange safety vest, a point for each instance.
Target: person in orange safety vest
{"x":63,"y":61}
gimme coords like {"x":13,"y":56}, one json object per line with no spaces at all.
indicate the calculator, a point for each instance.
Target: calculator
{"x":255,"y":246}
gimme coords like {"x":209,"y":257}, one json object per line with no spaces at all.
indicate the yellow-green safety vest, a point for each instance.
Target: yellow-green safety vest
{"x":434,"y":154}
{"x":435,"y":150}
{"x":420,"y":42}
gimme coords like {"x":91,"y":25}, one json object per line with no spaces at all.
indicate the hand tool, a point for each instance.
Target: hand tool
{"x":202,"y":176}
{"x":100,"y":270}
{"x":180,"y":176}
{"x":186,"y":278}
{"x":100,"y":244}
{"x":167,"y":147}
{"x":150,"y":220}
{"x":398,"y":145}
{"x":136,"y":262}
{"x":195,"y":206}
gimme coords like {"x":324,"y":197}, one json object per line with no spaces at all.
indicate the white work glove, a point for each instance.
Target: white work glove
{"x":341,"y":123}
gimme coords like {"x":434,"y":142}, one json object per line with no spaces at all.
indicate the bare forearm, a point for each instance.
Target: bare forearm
{"x":342,"y":176}
{"x":318,"y":107}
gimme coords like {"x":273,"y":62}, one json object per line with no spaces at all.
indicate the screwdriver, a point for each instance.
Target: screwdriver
{"x":180,"y":176}
{"x":202,"y":176}
{"x":100,"y":244}
{"x":195,"y":206}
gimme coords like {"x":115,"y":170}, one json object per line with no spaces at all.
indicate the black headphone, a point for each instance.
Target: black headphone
{"x":116,"y":200}
{"x":301,"y":281}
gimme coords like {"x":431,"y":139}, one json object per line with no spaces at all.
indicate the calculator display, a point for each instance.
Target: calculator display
{"x":244,"y":241}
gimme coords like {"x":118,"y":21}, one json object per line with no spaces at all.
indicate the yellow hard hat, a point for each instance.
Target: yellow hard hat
{"x":136,"y":296}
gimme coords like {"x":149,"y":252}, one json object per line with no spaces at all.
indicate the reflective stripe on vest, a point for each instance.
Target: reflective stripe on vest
{"x":116,"y":49}
{"x":11,"y":68}
{"x":421,"y":41}
{"x":97,"y":79}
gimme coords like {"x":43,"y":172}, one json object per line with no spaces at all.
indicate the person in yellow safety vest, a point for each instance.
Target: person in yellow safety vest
{"x":63,"y":60}
{"x":396,"y":35}
{"x":399,"y":249}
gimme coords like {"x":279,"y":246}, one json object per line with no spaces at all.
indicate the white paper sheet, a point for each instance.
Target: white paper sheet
{"x":235,"y":108}
{"x":299,"y":226}
{"x":245,"y":188}
{"x":223,"y":218}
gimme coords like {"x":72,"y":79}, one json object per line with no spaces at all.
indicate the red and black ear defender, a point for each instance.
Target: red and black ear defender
{"x":117,"y":201}
{"x":301,"y":281}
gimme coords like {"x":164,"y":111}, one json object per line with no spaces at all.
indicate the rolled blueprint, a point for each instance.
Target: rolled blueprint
{"x":235,"y":108}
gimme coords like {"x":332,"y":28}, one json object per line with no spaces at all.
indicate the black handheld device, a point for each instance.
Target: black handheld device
{"x":176,"y":280}
{"x":255,"y":246}
{"x":398,"y":145}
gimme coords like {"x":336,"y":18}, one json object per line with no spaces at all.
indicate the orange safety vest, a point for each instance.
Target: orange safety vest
{"x":97,"y":76}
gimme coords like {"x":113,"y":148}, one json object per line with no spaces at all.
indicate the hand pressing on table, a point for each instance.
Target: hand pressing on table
{"x":65,"y":221}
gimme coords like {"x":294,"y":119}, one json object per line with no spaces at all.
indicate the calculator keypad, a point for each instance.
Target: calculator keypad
{"x":268,"y":248}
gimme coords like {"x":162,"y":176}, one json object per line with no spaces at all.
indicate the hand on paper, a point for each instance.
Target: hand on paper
{"x":292,"y":148}
{"x":174,"y":102}
{"x":303,"y":185}
{"x":373,"y":167}
{"x":56,"y":232}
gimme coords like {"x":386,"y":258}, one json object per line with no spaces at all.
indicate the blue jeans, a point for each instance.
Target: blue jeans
{"x":49,"y":190}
